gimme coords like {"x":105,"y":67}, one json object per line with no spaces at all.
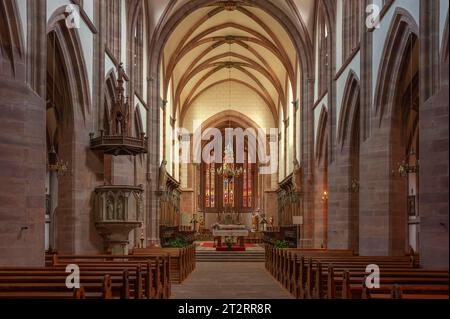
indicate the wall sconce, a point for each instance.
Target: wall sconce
{"x":57,"y":165}
{"x":142,"y":237}
{"x":325,"y":196}
{"x":60,"y":167}
{"x":354,"y":186}
{"x":404,"y":169}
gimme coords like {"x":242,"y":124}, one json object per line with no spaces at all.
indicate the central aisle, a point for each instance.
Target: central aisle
{"x":230,"y":281}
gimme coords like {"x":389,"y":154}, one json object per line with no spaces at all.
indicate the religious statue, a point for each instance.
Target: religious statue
{"x":271,"y":221}
{"x":142,"y":238}
{"x":110,"y":208}
{"x":263,"y":222}
{"x":201,"y":222}
{"x":194,"y":222}
{"x":297,"y":176}
{"x":354,"y":186}
{"x":163,"y":176}
{"x":255,"y":222}
{"x":120,"y":209}
{"x":139,"y":206}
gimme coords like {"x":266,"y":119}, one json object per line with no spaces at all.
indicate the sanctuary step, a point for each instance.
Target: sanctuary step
{"x":225,"y":256}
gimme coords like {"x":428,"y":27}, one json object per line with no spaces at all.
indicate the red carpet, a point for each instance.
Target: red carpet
{"x":235,"y":248}
{"x":211,"y":245}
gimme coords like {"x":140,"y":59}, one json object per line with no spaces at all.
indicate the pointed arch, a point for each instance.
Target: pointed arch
{"x":11,"y":39}
{"x":139,"y":124}
{"x":402,"y":27}
{"x":74,"y":62}
{"x":321,"y":142}
{"x":110,"y":97}
{"x":110,"y":88}
{"x":218,"y":119}
{"x":265,"y":97}
{"x":349,"y":108}
{"x":444,"y":53}
{"x":137,"y":33}
{"x":445,"y":41}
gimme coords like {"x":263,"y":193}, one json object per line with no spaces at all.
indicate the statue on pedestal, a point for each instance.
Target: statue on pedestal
{"x":194,"y":222}
{"x":297,"y":176}
{"x":110,"y":208}
{"x":120,"y":209}
{"x":163,"y":176}
{"x":263,"y":222}
{"x":255,"y":222}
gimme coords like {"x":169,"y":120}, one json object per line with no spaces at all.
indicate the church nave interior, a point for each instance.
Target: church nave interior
{"x":295,"y":142}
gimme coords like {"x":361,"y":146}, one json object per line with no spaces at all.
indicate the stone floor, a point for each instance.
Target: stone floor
{"x":230,"y":281}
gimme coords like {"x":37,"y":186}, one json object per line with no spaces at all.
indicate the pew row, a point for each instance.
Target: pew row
{"x":338,"y":274}
{"x":157,"y":270}
{"x":182,"y":263}
{"x":129,"y":282}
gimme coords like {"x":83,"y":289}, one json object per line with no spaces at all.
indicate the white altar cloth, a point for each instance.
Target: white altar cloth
{"x":230,"y":232}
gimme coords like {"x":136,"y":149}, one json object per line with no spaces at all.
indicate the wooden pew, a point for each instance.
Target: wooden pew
{"x":321,"y":272}
{"x":314,"y":273}
{"x":347,"y":280}
{"x":414,"y":292}
{"x":396,"y":284}
{"x":155,"y":274}
{"x":182,"y":260}
{"x":283,"y":263}
{"x":49,"y":284}
{"x":100,"y":276}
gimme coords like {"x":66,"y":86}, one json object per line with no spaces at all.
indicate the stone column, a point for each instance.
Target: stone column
{"x":22,"y":175}
{"x":433,"y":196}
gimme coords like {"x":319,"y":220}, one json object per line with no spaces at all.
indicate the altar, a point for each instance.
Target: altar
{"x":221,"y":232}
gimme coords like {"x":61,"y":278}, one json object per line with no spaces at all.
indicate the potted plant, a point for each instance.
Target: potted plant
{"x":281,"y":244}
{"x":229,"y":243}
{"x":177,"y":243}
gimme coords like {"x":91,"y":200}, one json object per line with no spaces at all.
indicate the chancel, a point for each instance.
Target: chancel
{"x":205,"y":149}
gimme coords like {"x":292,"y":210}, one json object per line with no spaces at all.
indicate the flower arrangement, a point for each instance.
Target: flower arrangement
{"x":178,"y":243}
{"x":281,"y":244}
{"x":229,"y":243}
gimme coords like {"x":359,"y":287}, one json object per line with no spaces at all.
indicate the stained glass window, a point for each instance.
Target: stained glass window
{"x":210,"y":185}
{"x":228,"y":190}
{"x":237,"y":193}
{"x":247,"y":183}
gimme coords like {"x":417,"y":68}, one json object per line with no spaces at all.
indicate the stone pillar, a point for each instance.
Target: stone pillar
{"x":53,"y":191}
{"x":433,"y":193}
{"x":22,"y":175}
{"x":375,"y":175}
{"x":339,"y":203}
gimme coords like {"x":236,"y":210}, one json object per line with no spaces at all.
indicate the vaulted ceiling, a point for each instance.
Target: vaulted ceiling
{"x":230,"y":42}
